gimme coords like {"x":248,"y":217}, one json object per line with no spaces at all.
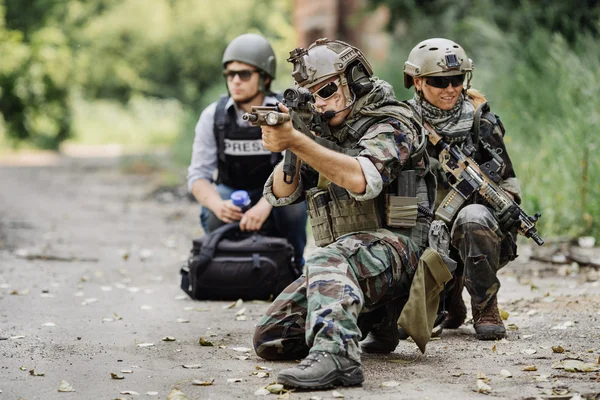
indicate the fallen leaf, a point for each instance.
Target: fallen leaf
{"x":145,"y":344}
{"x":481,"y":375}
{"x":241,"y":312}
{"x":198,"y":382}
{"x":17,"y":337}
{"x":168,"y":339}
{"x":390,"y":384}
{"x":483,"y":387}
{"x":192,"y":366}
{"x":529,"y":351}
{"x":32,"y":372}
{"x":130,"y":392}
{"x":182,"y":320}
{"x":116,"y":376}
{"x":261,"y":368}
{"x":529,"y":368}
{"x":541,"y":378}
{"x":65,"y":387}
{"x":152,"y":393}
{"x":494,"y":349}
{"x":235,"y":304}
{"x":275,"y":388}
{"x":241,"y":318}
{"x":261,"y":374}
{"x":337,"y":395}
{"x":505,"y":373}
{"x":23,"y":368}
{"x":570,"y":365}
{"x":241,"y":349}
{"x":503,"y":314}
{"x":558,"y":349}
{"x":49,"y":324}
{"x":117,"y":318}
{"x":262,"y":392}
{"x":234,"y":380}
{"x":204,"y":342}
{"x":126,"y":371}
{"x":512,"y":327}
{"x":457,"y":374}
{"x":242,"y":358}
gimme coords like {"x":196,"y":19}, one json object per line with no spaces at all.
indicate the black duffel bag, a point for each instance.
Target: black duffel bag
{"x":229,"y":264}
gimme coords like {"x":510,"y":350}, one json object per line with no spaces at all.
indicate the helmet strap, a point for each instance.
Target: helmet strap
{"x":468,"y":86}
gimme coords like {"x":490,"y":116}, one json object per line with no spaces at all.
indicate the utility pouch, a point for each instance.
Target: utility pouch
{"x":349,"y":215}
{"x":402,"y":207}
{"x":317,"y":201}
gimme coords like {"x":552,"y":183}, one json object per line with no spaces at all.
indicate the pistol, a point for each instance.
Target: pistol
{"x":265,"y":115}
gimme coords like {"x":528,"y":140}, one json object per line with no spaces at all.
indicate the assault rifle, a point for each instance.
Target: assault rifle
{"x":467,"y":177}
{"x":300,"y":102}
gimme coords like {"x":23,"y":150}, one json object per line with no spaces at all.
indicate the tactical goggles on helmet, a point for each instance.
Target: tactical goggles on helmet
{"x":442,"y":82}
{"x":328,"y":90}
{"x":244,"y":74}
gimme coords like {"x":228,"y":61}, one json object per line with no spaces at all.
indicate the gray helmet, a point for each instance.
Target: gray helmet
{"x":437,"y":56}
{"x":327,"y":58}
{"x":252,"y":49}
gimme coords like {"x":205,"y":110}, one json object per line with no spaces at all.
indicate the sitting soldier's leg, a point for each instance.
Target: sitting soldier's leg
{"x":384,"y":334}
{"x":280,"y":334}
{"x":476,"y":236}
{"x":343,"y":277}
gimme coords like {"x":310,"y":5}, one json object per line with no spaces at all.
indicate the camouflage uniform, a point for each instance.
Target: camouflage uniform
{"x":480,"y":247}
{"x":351,"y":276}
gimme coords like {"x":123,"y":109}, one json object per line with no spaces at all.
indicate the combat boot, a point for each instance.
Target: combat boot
{"x":455,"y":305}
{"x":321,"y":370}
{"x":384,"y":337}
{"x":487,"y":322}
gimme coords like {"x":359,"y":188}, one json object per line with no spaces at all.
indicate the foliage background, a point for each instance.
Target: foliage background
{"x":138,"y":73}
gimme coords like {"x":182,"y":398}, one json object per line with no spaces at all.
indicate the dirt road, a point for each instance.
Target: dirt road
{"x":89,"y":261}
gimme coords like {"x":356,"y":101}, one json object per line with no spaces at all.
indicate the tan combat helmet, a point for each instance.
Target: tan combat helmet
{"x":437,"y":56}
{"x":327,"y":58}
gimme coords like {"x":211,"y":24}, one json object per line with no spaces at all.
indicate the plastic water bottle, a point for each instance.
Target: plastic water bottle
{"x":241,"y":198}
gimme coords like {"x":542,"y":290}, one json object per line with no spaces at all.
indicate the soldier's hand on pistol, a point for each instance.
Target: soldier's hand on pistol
{"x":277,"y":138}
{"x":227,"y":212}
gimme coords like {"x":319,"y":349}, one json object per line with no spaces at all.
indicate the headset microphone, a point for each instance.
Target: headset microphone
{"x":329,"y":114}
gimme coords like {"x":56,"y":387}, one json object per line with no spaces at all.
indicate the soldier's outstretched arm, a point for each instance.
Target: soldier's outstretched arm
{"x":343,"y":170}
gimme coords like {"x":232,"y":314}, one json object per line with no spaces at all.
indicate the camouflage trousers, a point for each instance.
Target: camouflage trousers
{"x":319,"y":311}
{"x":483,"y":249}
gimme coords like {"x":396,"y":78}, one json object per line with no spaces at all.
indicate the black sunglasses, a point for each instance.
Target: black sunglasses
{"x":328,"y":90}
{"x":442,"y":82}
{"x":244,"y":74}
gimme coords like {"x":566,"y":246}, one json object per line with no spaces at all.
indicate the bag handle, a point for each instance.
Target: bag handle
{"x":209,"y":245}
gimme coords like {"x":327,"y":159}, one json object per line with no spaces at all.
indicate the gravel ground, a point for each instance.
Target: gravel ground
{"x":89,"y":261}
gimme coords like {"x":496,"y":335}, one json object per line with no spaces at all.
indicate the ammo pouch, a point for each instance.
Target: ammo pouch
{"x":402,"y":208}
{"x":228,"y":264}
{"x":333,"y":213}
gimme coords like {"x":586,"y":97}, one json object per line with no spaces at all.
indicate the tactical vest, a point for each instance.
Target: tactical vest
{"x":334,"y":212}
{"x":243,"y":162}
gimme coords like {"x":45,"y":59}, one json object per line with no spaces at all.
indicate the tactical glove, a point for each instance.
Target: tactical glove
{"x":509,"y":220}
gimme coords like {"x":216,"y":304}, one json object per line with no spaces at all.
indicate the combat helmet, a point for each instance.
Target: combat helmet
{"x":327,"y":58}
{"x":255,"y":50}
{"x":439,"y":57}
